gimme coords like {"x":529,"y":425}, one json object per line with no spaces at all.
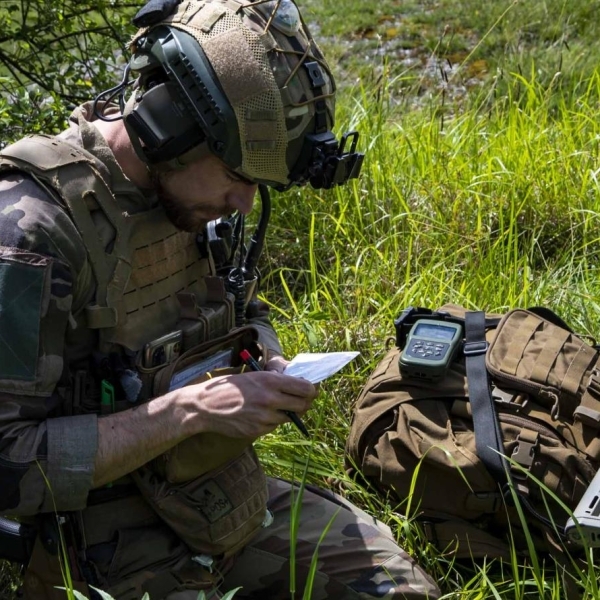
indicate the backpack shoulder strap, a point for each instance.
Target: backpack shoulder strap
{"x":42,"y":152}
{"x":488,"y":437}
{"x":72,"y":173}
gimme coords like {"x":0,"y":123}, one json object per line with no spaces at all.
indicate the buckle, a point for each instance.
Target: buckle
{"x":509,"y":398}
{"x":593,"y":386}
{"x":475,"y":348}
{"x":429,"y":530}
{"x":503,"y":396}
{"x":524,"y":451}
{"x":587,"y":416}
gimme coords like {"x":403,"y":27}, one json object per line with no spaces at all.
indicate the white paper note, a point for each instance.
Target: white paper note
{"x":316,"y":366}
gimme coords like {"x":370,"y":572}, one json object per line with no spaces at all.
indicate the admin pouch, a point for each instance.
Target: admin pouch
{"x":204,"y":452}
{"x":511,"y":428}
{"x":209,"y":489}
{"x":215,"y":514}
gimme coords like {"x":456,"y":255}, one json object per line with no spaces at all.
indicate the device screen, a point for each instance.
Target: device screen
{"x":435,"y":331}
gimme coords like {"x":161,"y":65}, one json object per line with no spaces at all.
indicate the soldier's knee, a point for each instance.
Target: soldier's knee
{"x":399,"y":578}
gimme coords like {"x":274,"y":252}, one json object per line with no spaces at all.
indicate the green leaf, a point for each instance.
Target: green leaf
{"x":75,"y":593}
{"x":231,"y":593}
{"x":103,"y":595}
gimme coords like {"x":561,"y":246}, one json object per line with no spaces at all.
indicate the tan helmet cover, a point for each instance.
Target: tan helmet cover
{"x":259,"y":51}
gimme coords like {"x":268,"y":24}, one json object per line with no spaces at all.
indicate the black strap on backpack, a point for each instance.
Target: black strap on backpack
{"x":488,"y":437}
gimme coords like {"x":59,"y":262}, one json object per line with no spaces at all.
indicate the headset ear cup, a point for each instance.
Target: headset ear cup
{"x":163,"y":126}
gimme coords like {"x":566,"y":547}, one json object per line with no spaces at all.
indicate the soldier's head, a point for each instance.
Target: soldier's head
{"x":241,"y":80}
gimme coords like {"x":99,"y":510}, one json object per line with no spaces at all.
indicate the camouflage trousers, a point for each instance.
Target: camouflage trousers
{"x":356,"y":559}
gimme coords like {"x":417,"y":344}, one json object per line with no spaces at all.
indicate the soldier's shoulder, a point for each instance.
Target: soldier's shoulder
{"x":32,"y":218}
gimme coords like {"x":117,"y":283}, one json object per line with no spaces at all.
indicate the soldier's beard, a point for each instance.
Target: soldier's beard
{"x":183,"y":217}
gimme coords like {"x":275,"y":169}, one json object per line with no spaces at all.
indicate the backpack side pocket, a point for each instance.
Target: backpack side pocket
{"x":533,"y":355}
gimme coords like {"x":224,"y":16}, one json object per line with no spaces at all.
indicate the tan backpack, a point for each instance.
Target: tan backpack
{"x":519,"y":406}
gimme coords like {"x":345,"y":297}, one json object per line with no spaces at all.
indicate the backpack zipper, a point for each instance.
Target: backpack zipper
{"x":536,"y":389}
{"x":519,"y":384}
{"x":529,"y":423}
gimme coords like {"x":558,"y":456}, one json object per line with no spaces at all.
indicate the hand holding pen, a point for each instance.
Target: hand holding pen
{"x":249,"y":360}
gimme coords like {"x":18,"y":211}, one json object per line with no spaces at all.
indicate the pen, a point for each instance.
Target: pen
{"x":251,"y":362}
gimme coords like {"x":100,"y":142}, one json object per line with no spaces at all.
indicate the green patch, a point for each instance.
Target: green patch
{"x":21,"y":290}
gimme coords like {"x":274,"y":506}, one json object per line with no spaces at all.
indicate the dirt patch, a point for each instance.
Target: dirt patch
{"x":415,"y":72}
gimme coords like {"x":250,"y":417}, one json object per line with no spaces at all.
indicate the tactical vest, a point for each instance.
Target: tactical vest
{"x":150,"y":262}
{"x":150,"y":279}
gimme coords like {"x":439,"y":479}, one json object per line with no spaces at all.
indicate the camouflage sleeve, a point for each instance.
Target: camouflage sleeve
{"x":258,"y":315}
{"x":46,"y":460}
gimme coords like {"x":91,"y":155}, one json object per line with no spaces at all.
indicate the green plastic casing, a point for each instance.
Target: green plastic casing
{"x":430,"y":348}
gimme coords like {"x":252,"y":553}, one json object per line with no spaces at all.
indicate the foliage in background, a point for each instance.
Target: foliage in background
{"x":480,"y":187}
{"x":56,"y":54}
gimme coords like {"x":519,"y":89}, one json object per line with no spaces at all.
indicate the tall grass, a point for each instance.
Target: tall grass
{"x":491,"y":203}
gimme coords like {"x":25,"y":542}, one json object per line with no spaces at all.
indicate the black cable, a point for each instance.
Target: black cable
{"x":107,"y":96}
{"x":255,"y":247}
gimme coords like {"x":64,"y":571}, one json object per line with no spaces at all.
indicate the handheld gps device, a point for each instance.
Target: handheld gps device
{"x":430,"y":347}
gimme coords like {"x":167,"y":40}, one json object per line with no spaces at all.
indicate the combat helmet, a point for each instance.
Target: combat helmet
{"x":243,"y":80}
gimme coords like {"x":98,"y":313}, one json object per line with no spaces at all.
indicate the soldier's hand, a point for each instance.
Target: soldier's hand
{"x":277,"y":363}
{"x":250,"y":404}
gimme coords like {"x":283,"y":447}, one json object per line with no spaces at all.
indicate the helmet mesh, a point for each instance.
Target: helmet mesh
{"x":266,"y":159}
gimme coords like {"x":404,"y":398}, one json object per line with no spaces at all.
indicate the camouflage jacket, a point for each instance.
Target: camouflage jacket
{"x":47,"y":455}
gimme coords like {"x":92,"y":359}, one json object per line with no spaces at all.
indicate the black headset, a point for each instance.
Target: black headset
{"x":179,"y":104}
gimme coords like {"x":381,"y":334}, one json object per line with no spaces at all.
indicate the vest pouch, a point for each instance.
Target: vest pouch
{"x":205,"y":316}
{"x":204,"y":452}
{"x":216,"y":514}
{"x":530,"y":354}
{"x":194,"y":333}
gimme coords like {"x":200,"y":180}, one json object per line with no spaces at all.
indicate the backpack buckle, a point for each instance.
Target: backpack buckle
{"x":587,"y":416}
{"x":430,"y":532}
{"x":593,"y":385}
{"x":511,"y":398}
{"x":524,"y":452}
{"x":475,"y":348}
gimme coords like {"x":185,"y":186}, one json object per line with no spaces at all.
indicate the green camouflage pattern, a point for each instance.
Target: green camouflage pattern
{"x":357,"y":559}
{"x":36,"y":235}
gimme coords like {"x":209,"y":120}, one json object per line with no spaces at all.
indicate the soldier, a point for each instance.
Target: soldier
{"x":126,"y":421}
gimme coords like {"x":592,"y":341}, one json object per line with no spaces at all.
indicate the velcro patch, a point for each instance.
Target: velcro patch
{"x":21,"y":291}
{"x":239,"y":72}
{"x":213,"y":502}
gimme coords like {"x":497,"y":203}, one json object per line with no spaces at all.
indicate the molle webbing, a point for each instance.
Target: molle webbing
{"x":149,"y":261}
